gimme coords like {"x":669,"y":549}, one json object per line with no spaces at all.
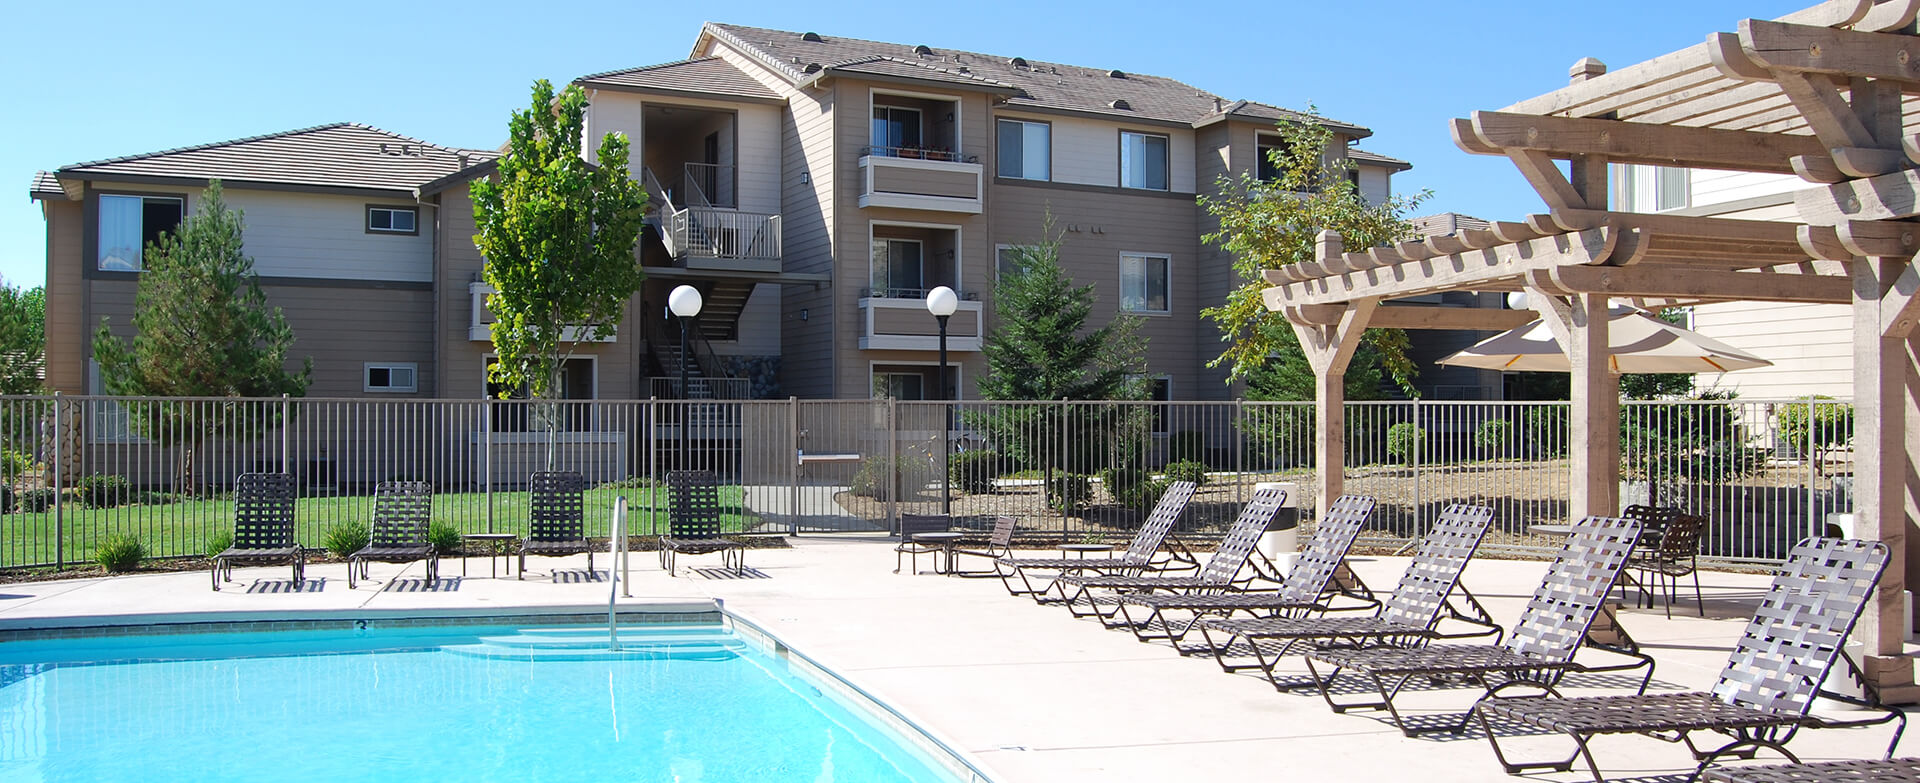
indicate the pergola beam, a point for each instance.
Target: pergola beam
{"x":1668,"y":282}
{"x":1631,"y":142}
{"x":1894,"y":196}
{"x":1798,"y":48}
{"x":1388,"y":316}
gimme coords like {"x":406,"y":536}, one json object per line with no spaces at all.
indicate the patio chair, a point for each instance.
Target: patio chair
{"x":1661,"y":562}
{"x":1139,"y":556}
{"x":1540,"y":649}
{"x":1408,"y":618}
{"x":693,"y":522}
{"x":916,"y":539}
{"x":556,"y":517}
{"x":262,"y":527}
{"x":1221,"y":571}
{"x":1879,"y":771}
{"x":999,"y":545}
{"x":1305,"y":588}
{"x":402,"y":511}
{"x":1763,"y":696}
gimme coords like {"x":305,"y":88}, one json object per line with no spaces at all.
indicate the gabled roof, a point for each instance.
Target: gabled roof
{"x":1032,"y":85}
{"x":339,"y":156}
{"x":1267,"y":113}
{"x":700,"y":76}
{"x":45,"y":186}
{"x":1358,"y":155}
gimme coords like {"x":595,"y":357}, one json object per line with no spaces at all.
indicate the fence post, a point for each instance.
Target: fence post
{"x":486,"y":454}
{"x":1237,"y":430}
{"x":59,"y":467}
{"x":1814,"y":524}
{"x":793,"y":468}
{"x":893,"y":467}
{"x":286,"y":433}
{"x":1413,"y":460}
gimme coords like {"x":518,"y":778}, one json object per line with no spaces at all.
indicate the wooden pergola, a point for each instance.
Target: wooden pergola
{"x":1827,"y":94}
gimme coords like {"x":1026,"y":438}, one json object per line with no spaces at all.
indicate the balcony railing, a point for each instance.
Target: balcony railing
{"x":480,"y":329}
{"x":722,"y":233}
{"x":911,"y":178}
{"x":902,"y":323}
{"x":920,"y":153}
{"x":700,"y":388}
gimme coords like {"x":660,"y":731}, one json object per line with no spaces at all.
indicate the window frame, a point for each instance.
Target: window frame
{"x":414,"y":211}
{"x":366,"y":377}
{"x":1000,"y":149}
{"x":1165,"y":258}
{"x":873,"y":282}
{"x":956,"y":376}
{"x":892,"y":150}
{"x":93,"y":229}
{"x":1166,"y":163}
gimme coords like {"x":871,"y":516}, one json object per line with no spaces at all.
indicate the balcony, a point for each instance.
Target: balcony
{"x":897,"y":320}
{"x":481,"y":329}
{"x":714,"y":238}
{"x":927,"y":179}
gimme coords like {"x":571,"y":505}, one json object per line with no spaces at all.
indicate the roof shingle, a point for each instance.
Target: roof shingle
{"x":706,"y":75}
{"x":339,"y":155}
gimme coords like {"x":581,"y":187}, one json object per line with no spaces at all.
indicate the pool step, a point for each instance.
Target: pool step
{"x":702,"y":642}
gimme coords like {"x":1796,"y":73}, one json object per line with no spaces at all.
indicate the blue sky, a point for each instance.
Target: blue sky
{"x":99,"y":79}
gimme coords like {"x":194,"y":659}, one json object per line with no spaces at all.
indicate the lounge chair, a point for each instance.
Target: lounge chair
{"x":917,"y":537}
{"x":999,"y":545}
{"x":693,"y":522}
{"x":1222,"y":570}
{"x":1408,"y":618}
{"x":1138,"y":557}
{"x":402,"y":511}
{"x":262,"y":527}
{"x":556,"y":517}
{"x":1305,"y":588}
{"x":1763,"y":696}
{"x":1540,"y":649}
{"x":1881,"y":771}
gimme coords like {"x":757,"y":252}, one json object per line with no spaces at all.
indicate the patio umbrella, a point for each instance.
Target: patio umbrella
{"x":1640,"y":342}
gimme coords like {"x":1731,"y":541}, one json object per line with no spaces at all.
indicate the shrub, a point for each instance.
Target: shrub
{"x":973,"y":472}
{"x":1546,"y":430}
{"x":103,"y":490}
{"x":1829,"y":427}
{"x":1187,"y":446}
{"x":1187,"y":470}
{"x":1494,"y":437}
{"x":630,"y":482}
{"x":155,"y":498}
{"x":345,"y":538}
{"x":13,"y":464}
{"x":1133,"y":489}
{"x":871,"y":480}
{"x":219,"y":542}
{"x":119,"y":553}
{"x":444,"y":537}
{"x":37,"y":501}
{"x":1404,"y":439}
{"x":1069,"y":492}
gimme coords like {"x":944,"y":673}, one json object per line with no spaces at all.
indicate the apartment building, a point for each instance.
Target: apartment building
{"x":814,"y":188}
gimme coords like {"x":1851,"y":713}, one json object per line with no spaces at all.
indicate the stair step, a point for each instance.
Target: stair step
{"x":652,"y":642}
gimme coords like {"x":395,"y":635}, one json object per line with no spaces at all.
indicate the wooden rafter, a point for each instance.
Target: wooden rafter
{"x":1633,"y":142}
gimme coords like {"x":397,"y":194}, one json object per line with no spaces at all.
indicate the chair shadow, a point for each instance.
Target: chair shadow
{"x":312,"y":585}
{"x":573,"y":576}
{"x":748,"y":572}
{"x":445,"y":584}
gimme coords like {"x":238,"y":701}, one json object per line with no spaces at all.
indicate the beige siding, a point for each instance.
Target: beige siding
{"x":67,"y":320}
{"x":925,"y":182}
{"x":1811,"y":347}
{"x":808,"y":321}
{"x":1219,"y":151}
{"x":1718,"y":187}
{"x":1087,"y":151}
{"x":320,"y":236}
{"x":1373,"y":184}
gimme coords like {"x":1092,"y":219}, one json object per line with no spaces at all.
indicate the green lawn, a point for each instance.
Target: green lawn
{"x":176,"y":529}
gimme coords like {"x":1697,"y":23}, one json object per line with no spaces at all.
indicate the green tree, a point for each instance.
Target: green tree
{"x":1663,"y":385}
{"x":202,"y":329}
{"x":1043,"y":347}
{"x":1815,"y":427}
{"x":23,"y":338}
{"x":1269,"y":224}
{"x":559,"y":234}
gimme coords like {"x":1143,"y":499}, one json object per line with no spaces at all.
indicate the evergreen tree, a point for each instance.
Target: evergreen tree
{"x":23,"y":338}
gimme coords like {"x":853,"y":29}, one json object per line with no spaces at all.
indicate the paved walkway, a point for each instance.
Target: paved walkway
{"x":1029,"y":693}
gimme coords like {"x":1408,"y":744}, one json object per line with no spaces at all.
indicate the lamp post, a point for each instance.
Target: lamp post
{"x":685,"y":303}
{"x":942,"y":302}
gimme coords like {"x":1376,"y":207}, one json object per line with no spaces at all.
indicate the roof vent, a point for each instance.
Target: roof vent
{"x":964,"y":69}
{"x":1120,"y":103}
{"x":923,"y":50}
{"x":1117,"y":74}
{"x":403,"y":150}
{"x":811,"y":68}
{"x":1018,"y":62}
{"x":810,"y":37}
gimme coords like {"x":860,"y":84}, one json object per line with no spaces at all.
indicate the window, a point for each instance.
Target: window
{"x":1651,"y":188}
{"x":390,"y":377}
{"x":1144,"y":283}
{"x":1024,"y":149}
{"x":1265,"y":148}
{"x":129,"y":223}
{"x":576,"y":383}
{"x":1143,"y":161}
{"x":1006,"y":261}
{"x":899,"y":386}
{"x":895,"y":128}
{"x":392,"y":220}
{"x":897,"y":268}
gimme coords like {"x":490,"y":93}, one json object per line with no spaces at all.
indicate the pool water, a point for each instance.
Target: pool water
{"x":690,"y":704}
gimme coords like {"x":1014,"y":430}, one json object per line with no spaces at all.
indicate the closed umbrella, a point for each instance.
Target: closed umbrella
{"x":1641,"y":343}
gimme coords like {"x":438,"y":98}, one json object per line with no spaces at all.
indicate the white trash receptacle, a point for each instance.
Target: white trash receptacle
{"x":1281,"y":543}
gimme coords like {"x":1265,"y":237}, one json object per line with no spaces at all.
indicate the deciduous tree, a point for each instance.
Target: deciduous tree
{"x":23,"y":338}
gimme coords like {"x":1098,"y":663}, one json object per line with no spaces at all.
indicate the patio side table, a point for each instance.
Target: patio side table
{"x":495,"y":552}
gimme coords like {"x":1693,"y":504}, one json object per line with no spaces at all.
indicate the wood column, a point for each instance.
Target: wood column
{"x":1886,"y":445}
{"x":1579,"y":322}
{"x":1329,"y":349}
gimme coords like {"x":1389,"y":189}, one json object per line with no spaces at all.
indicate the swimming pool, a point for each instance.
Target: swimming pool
{"x":694,"y":704}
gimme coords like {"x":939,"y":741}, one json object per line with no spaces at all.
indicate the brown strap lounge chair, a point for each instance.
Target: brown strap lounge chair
{"x":1881,"y":771}
{"x":1539,"y":650}
{"x":1305,"y":588}
{"x":999,"y":545}
{"x":1408,"y":618}
{"x":402,"y":511}
{"x":693,"y":522}
{"x":262,"y":527}
{"x":1138,"y":557}
{"x":1086,"y":594}
{"x":557,"y":524}
{"x":1763,"y":696}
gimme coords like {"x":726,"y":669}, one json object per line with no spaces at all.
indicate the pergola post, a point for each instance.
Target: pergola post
{"x":1579,"y":322}
{"x":1886,"y":445}
{"x":1329,"y":349}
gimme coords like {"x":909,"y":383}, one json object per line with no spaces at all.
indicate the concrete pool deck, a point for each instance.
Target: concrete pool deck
{"x":1028,"y":693}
